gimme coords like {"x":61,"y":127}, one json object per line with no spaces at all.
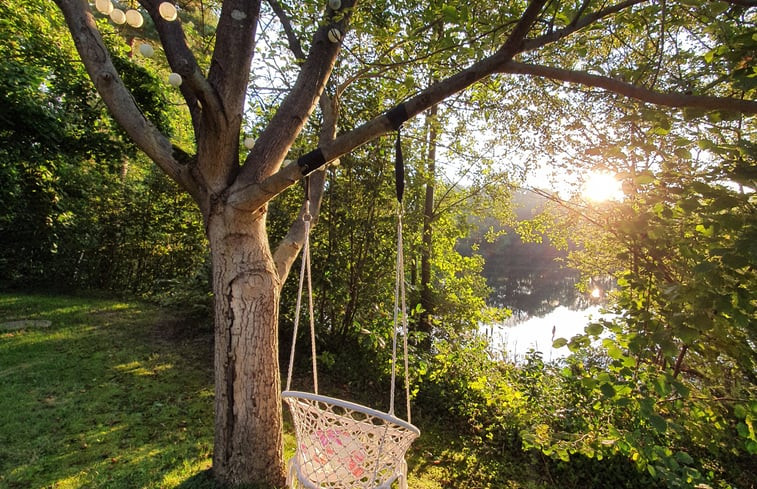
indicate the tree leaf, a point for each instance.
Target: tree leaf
{"x":559,"y":343}
{"x":658,"y":423}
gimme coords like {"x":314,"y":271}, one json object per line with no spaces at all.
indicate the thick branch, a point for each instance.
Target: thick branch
{"x":230,"y":66}
{"x":251,"y":196}
{"x":290,"y":246}
{"x":122,"y":106}
{"x":181,"y":60}
{"x":274,"y":142}
{"x":677,"y":100}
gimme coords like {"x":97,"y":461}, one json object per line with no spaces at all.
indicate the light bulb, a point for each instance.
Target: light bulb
{"x":167,"y":11}
{"x":146,"y":50}
{"x":174,"y":79}
{"x":118,"y":16}
{"x":105,"y":7}
{"x":134,"y":18}
{"x":335,"y":35}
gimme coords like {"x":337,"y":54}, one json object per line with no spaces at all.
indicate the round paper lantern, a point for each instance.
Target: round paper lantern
{"x":249,"y":143}
{"x":105,"y":7}
{"x":118,"y":16}
{"x":174,"y":79}
{"x":167,"y":11}
{"x":335,"y":35}
{"x":146,"y":50}
{"x":134,"y":18}
{"x":335,"y":4}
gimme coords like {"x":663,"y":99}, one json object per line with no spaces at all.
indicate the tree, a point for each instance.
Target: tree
{"x":232,"y":193}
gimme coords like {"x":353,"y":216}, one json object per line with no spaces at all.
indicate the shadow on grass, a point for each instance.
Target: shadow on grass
{"x":103,"y":398}
{"x":204,"y":480}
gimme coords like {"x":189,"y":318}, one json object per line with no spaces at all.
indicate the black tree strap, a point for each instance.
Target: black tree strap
{"x":399,"y":168}
{"x":310,"y":162}
{"x":397,"y":116}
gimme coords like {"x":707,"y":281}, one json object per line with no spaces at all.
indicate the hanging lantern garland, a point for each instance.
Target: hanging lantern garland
{"x":133,"y":18}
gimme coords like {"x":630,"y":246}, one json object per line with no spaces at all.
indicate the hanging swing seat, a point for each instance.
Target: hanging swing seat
{"x":342,"y":445}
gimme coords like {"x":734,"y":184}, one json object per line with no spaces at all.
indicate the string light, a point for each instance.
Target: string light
{"x":134,"y":18}
{"x":174,"y":79}
{"x":146,"y":50}
{"x":105,"y":7}
{"x":117,"y":16}
{"x":335,"y":35}
{"x":167,"y":11}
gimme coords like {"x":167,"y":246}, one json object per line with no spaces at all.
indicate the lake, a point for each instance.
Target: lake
{"x":513,"y":338}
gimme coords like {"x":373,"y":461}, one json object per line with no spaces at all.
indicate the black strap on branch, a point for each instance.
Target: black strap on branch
{"x":310,"y":162}
{"x":396,"y":117}
{"x":399,"y":168}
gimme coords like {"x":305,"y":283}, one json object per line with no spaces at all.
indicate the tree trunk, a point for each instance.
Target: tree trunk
{"x":248,"y":422}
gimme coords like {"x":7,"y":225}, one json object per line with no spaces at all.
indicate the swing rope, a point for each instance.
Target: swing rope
{"x":400,"y":306}
{"x":305,"y":270}
{"x":342,"y":445}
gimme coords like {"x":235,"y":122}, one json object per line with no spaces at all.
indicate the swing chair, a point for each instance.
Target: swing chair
{"x":340,"y":444}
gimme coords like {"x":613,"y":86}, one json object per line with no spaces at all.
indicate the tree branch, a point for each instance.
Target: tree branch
{"x":181,"y":60}
{"x":578,"y":24}
{"x":677,"y":100}
{"x":250,"y":195}
{"x":742,"y":3}
{"x":294,"y":42}
{"x":274,"y":142}
{"x":229,"y":70}
{"x":118,"y":99}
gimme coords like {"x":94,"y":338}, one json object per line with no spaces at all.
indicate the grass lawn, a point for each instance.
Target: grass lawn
{"x":111,"y":394}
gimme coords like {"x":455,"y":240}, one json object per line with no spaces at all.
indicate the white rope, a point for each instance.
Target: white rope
{"x":400,"y":302}
{"x":401,"y":266}
{"x":304,"y":269}
{"x":310,"y":300}
{"x":397,"y":281}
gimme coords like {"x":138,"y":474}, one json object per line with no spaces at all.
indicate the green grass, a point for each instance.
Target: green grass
{"x":119,"y":395}
{"x":113,"y":394}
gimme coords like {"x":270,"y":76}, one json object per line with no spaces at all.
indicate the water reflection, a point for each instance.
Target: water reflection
{"x":512,"y":341}
{"x":546,"y":305}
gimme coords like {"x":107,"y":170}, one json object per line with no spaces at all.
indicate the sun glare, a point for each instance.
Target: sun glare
{"x":602,"y":186}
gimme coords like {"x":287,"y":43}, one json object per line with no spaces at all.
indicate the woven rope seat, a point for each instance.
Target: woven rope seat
{"x":342,"y":445}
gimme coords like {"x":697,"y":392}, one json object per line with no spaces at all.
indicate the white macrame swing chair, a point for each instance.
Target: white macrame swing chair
{"x":340,"y":444}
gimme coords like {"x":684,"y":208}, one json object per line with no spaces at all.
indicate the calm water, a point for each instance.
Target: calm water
{"x":546,"y":305}
{"x":514,"y":338}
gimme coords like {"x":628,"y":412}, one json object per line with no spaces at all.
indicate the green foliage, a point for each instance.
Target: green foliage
{"x":81,"y":208}
{"x":500,"y":413}
{"x":679,"y":357}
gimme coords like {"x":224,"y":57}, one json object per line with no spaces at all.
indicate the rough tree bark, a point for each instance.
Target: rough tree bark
{"x":247,"y":275}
